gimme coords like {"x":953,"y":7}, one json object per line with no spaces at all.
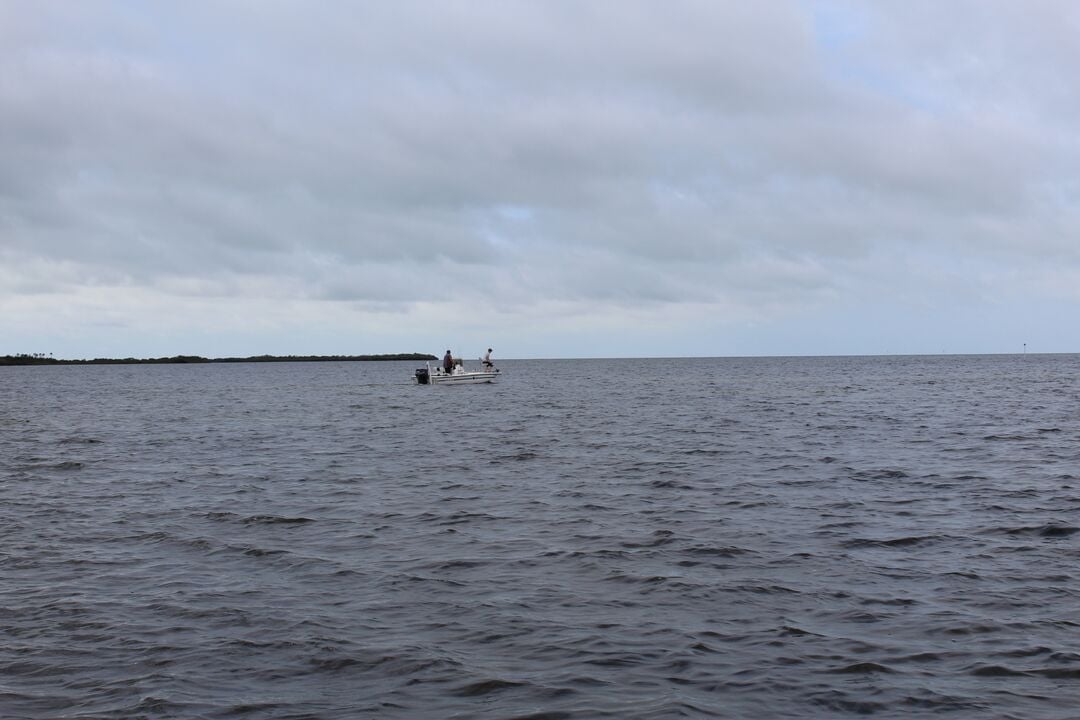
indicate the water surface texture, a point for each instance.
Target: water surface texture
{"x":798,"y":537}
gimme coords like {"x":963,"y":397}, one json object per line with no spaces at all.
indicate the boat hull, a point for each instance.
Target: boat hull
{"x":460,"y":376}
{"x":467,"y":378}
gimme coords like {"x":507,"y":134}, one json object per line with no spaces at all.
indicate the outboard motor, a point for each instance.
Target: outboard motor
{"x":422,"y":377}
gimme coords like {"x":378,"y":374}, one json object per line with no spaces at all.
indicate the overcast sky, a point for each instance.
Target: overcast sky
{"x":550,"y":178}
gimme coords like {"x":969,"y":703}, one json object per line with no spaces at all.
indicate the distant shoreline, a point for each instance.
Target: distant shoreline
{"x":195,"y":359}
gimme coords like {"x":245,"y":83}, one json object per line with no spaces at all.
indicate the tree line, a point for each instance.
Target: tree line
{"x":43,"y":359}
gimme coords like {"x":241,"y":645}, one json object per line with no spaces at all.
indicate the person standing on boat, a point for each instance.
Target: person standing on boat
{"x":448,"y":362}
{"x":487,"y":360}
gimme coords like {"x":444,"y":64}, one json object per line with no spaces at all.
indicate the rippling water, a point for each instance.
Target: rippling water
{"x":799,"y":537}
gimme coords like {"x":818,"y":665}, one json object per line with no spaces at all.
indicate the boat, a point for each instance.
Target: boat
{"x":458,"y":376}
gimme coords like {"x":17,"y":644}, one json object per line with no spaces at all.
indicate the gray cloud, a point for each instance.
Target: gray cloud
{"x":767,"y":160}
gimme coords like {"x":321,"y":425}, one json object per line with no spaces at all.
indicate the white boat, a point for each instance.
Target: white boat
{"x":458,"y":376}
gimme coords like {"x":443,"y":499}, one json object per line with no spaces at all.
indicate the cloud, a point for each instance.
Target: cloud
{"x":609,"y":162}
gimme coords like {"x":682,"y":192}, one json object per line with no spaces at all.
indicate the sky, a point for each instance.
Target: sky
{"x":552,"y":179}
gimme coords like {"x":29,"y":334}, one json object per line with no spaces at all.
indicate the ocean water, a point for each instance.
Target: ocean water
{"x":693,"y":538}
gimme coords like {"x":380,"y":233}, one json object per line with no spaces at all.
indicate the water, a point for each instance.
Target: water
{"x":801,"y":537}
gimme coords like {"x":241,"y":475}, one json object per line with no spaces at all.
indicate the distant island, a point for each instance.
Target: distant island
{"x":42,"y":359}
